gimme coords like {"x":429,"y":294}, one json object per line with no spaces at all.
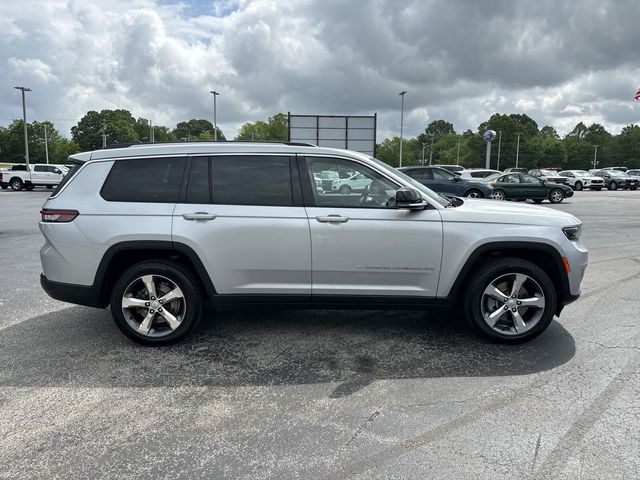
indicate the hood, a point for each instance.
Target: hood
{"x":494,"y":211}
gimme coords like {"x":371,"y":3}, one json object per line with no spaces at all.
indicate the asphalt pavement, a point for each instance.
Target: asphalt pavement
{"x":323,"y":394}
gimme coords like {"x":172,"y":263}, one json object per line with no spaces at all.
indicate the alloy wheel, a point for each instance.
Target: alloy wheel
{"x":513,"y":304}
{"x":498,"y":195}
{"x":153,"y":305}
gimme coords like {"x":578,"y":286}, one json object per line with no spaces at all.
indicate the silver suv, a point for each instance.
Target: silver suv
{"x":155,"y":230}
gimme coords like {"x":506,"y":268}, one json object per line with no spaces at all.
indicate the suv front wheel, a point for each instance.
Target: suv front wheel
{"x":511,"y":300}
{"x":156,"y":303}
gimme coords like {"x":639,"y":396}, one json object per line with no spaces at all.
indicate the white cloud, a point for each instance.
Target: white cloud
{"x":461,"y":61}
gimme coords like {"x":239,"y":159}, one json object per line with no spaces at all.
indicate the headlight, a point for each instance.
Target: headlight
{"x":573,"y":233}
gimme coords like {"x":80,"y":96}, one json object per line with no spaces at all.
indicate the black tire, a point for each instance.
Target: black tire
{"x":578,"y":186}
{"x":29,"y":187}
{"x":613,"y":186}
{"x":556,"y":195}
{"x":16,"y":184}
{"x":499,"y":195}
{"x":4,"y":186}
{"x":633,"y":188}
{"x":538,"y":200}
{"x":485,"y":276}
{"x":168,"y":270}
{"x":597,"y":189}
{"x":473,"y":193}
{"x":49,"y":187}
{"x":345,"y":189}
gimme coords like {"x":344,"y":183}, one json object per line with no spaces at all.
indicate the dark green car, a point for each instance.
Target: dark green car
{"x":521,"y":186}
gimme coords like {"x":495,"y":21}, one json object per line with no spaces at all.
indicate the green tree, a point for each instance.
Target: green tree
{"x":119,"y":126}
{"x":440,"y":127}
{"x":549,"y":132}
{"x":12,"y":143}
{"x":194,"y":129}
{"x":389,"y":151}
{"x":275,"y":129}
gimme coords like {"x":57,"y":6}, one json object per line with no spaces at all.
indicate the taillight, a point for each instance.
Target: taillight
{"x":58,"y":216}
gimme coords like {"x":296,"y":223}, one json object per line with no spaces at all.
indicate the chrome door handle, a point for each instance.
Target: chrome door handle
{"x":333,"y":219}
{"x":198,"y":216}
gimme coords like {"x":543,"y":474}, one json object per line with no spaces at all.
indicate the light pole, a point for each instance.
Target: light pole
{"x":499,"y":144}
{"x":518,"y":149}
{"x":215,"y":113}
{"x":595,"y":155}
{"x":423,"y":145}
{"x":458,"y":156}
{"x":46,"y":144}
{"x":24,"y":120}
{"x":433,"y":136}
{"x":402,"y":94}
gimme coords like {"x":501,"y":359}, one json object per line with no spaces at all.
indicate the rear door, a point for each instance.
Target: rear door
{"x":243,"y":215}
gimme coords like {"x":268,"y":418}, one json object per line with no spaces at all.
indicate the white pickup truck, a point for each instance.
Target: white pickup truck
{"x":18,"y":178}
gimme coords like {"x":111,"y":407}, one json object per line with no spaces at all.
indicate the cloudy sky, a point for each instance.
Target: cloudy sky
{"x":558,"y":61}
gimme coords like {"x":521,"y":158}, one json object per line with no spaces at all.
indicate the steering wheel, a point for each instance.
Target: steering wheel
{"x":365,"y":195}
{"x":365,"y":199}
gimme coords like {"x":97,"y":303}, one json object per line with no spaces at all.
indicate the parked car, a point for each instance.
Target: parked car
{"x":579,"y":179}
{"x":355,"y":183}
{"x":452,"y":168}
{"x":446,"y":183}
{"x":39,"y":174}
{"x":154,"y":230}
{"x":634,"y":172}
{"x":614,"y":179}
{"x":516,"y":170}
{"x":548,"y":175}
{"x":477,"y":173}
{"x":522,"y":186}
{"x":620,"y":169}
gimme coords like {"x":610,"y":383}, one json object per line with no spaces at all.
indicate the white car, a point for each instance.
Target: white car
{"x":355,"y":183}
{"x":38,"y":174}
{"x":478,"y":173}
{"x":579,"y":179}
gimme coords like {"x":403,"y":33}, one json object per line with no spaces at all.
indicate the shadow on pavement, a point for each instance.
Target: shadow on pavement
{"x":81,"y":347}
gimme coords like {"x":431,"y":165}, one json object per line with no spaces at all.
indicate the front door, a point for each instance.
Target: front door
{"x":243,"y":216}
{"x":534,"y":187}
{"x":361,"y":244}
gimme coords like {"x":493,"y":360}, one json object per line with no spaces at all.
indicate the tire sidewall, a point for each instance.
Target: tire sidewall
{"x":500,"y":192}
{"x":345,"y":189}
{"x":578,"y":186}
{"x":473,"y":301}
{"x":551,"y":195}
{"x":16,"y":185}
{"x":178,"y":276}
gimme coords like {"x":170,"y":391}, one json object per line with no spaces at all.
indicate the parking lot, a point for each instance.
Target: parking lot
{"x":324,"y":394}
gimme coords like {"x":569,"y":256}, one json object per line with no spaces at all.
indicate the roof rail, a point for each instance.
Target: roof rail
{"x":260,"y":142}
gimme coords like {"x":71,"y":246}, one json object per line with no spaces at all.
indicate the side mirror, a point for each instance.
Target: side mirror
{"x":410,"y":199}
{"x":57,"y":171}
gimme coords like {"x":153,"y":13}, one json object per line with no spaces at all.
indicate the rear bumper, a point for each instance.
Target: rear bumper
{"x":89,"y":296}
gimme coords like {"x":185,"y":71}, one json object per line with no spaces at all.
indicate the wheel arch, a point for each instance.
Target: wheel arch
{"x":122,"y":255}
{"x":541,"y":254}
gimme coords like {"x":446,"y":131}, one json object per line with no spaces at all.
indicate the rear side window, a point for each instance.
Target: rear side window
{"x":251,"y":180}
{"x":155,"y":180}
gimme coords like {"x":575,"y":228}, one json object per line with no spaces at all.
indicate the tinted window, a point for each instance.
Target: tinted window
{"x":40,"y":168}
{"x":198,"y":190}
{"x":440,"y":175}
{"x":422,"y":175}
{"x":144,"y":180}
{"x":246,"y":180}
{"x":529,"y":179}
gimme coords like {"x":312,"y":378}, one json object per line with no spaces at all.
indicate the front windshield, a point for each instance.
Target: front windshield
{"x":617,"y":173}
{"x":491,"y":177}
{"x":550,"y":173}
{"x":414,"y":183}
{"x":581,"y":173}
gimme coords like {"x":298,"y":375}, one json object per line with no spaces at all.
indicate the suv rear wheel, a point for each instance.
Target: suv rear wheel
{"x":511,"y":300}
{"x":156,"y":303}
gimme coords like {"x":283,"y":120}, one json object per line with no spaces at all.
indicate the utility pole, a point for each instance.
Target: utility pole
{"x":518,"y":149}
{"x":104,"y":134}
{"x":24,"y":120}
{"x":151,"y":137}
{"x":499,"y":144}
{"x":46,"y":144}
{"x":215,"y":113}
{"x":433,"y":136}
{"x":458,"y":156}
{"x":423,"y":145}
{"x":595,"y":155}
{"x":402,"y":94}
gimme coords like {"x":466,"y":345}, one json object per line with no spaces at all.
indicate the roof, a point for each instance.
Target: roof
{"x":195,"y":148}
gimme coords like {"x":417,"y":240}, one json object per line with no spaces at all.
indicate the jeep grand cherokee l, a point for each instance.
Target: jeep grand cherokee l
{"x":155,"y":230}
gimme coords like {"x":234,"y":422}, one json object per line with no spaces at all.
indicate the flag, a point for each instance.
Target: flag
{"x":637,"y":95}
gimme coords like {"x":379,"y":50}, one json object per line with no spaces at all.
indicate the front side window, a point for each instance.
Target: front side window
{"x":40,"y":168}
{"x":529,"y":179}
{"x":442,"y":176}
{"x":154,"y":180}
{"x":364,"y":188}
